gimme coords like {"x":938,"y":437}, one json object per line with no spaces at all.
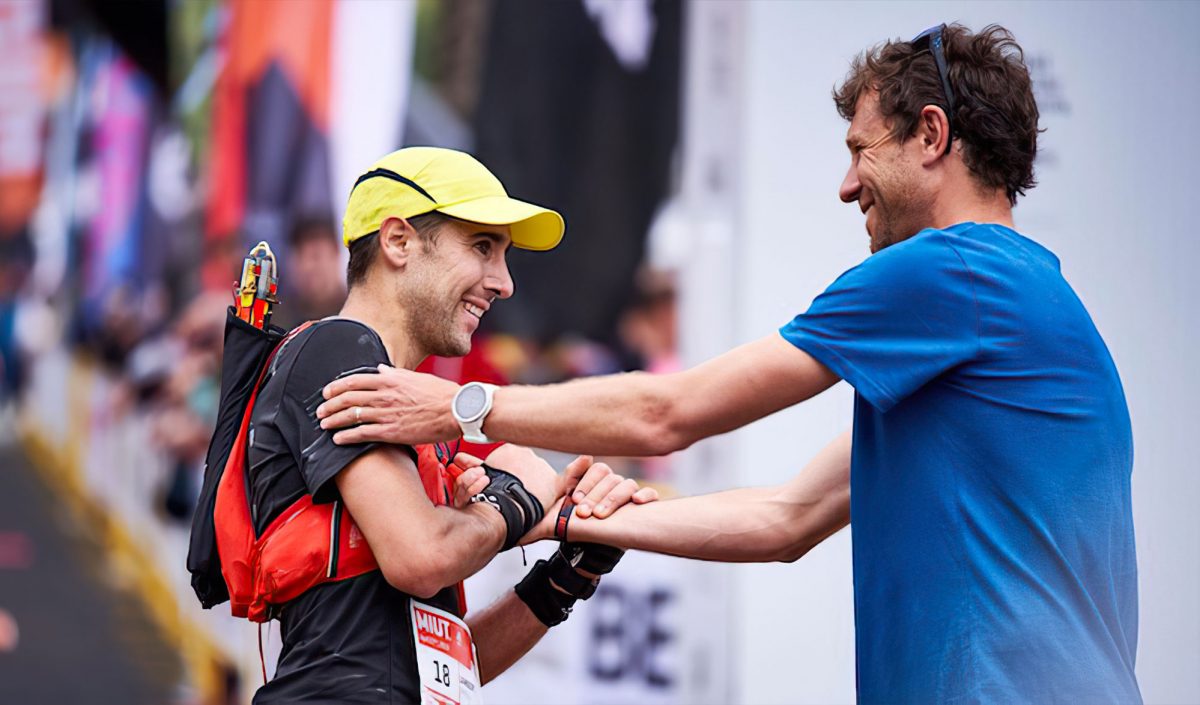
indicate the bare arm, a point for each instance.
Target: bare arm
{"x":507,"y":629}
{"x":628,"y":414}
{"x":746,"y":525}
{"x":421,"y":548}
{"x":504,"y":632}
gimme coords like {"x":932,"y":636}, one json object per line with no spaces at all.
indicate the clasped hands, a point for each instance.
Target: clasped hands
{"x":596,"y":490}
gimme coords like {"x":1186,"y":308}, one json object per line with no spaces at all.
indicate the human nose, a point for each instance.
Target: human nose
{"x":851,"y":188}
{"x":500,"y":281}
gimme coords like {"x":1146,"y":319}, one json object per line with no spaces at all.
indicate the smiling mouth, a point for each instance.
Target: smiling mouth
{"x":473,"y":310}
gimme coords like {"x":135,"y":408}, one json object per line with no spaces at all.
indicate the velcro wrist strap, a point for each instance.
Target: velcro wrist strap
{"x":514,"y":518}
{"x":593,"y":558}
{"x":564,"y":576}
{"x":564,"y":518}
{"x":550,"y":606}
{"x":520,"y":509}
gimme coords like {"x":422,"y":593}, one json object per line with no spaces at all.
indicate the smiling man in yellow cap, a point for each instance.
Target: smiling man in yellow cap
{"x":418,"y":180}
{"x":409,"y":202}
{"x":428,"y":231}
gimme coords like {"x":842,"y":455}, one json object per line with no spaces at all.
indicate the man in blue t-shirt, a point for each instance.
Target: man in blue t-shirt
{"x":988,"y":474}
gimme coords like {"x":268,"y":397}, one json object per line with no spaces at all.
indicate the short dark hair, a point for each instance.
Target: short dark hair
{"x":995,"y":114}
{"x":362,"y":250}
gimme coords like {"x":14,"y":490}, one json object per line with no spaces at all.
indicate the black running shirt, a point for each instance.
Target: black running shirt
{"x":349,"y":641}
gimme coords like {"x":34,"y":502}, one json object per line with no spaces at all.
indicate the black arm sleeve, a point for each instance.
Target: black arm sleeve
{"x":334,"y":348}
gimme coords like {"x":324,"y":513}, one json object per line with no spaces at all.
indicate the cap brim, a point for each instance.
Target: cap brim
{"x":532,"y":227}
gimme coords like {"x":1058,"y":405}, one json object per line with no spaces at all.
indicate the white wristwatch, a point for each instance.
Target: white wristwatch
{"x":470,"y":407}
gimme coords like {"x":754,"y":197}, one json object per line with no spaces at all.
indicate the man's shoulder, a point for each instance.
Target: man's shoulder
{"x":924,"y":261}
{"x":333,"y":338}
{"x":926,"y":244}
{"x":339,"y":330}
{"x":997,"y":245}
{"x":325,"y":350}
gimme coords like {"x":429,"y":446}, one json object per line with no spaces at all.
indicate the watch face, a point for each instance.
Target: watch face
{"x":469,"y":402}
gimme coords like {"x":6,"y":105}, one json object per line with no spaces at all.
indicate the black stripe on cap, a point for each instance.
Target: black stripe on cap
{"x":389,"y":174}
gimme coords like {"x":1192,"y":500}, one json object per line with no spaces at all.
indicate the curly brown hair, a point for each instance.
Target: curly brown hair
{"x":995,"y":116}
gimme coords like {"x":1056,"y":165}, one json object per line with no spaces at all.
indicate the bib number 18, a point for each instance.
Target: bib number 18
{"x":441,"y":673}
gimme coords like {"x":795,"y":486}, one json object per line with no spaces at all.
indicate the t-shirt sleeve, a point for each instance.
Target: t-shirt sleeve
{"x":893,"y":323}
{"x":333,"y":349}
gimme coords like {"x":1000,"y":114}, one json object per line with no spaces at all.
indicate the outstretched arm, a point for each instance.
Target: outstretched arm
{"x":629,"y":414}
{"x":746,"y":525}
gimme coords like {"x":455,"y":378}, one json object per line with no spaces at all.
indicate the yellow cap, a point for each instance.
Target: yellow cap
{"x":416,"y":180}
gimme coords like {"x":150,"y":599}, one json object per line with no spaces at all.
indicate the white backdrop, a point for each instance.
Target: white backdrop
{"x":1118,"y":88}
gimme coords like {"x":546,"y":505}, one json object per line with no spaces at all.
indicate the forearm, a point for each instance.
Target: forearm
{"x":503,"y":632}
{"x":449,"y":546}
{"x":648,"y":414}
{"x":463,"y":542}
{"x":421,"y":548}
{"x":736,"y":526}
{"x":747,"y":525}
{"x":626,"y":414}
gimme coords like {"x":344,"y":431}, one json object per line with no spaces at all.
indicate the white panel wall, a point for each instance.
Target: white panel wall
{"x":1118,"y":89}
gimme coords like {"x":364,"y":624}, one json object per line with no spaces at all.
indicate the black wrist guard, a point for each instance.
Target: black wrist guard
{"x":520,"y":509}
{"x":563,"y":574}
{"x":550,"y":606}
{"x":590,"y":557}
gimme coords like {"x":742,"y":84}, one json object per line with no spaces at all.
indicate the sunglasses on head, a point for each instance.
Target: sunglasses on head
{"x":931,"y":40}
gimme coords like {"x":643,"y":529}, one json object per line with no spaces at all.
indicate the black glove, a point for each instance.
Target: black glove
{"x":591,"y":557}
{"x":552,"y":587}
{"x":520,"y":509}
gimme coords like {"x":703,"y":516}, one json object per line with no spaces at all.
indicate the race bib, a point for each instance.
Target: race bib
{"x":446,"y":660}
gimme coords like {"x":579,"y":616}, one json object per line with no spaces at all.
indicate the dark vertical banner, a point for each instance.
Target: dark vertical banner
{"x":270,"y":160}
{"x":579,"y":111}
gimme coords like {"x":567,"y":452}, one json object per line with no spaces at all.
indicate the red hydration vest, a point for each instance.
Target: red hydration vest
{"x":307,"y":544}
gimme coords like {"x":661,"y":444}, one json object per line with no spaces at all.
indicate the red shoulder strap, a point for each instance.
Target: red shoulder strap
{"x":233,"y":525}
{"x":296,"y":552}
{"x":431,"y":465}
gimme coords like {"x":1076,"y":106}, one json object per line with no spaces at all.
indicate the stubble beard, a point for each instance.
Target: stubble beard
{"x":433,"y":321}
{"x":434,"y":326}
{"x":902,"y":209}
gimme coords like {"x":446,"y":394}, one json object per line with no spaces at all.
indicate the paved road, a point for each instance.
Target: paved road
{"x":78,"y":640}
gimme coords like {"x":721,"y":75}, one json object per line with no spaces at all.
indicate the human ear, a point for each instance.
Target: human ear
{"x":933,"y":129}
{"x":396,"y":238}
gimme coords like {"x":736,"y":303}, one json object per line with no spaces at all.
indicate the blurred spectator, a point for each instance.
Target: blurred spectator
{"x":312,"y":281}
{"x":178,"y":377}
{"x":648,"y":327}
{"x":16,"y":259}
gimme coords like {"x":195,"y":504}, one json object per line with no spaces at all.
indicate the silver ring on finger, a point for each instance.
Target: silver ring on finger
{"x":358,"y":414}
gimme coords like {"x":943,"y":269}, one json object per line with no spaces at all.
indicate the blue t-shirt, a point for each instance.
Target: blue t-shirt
{"x":990,"y":477}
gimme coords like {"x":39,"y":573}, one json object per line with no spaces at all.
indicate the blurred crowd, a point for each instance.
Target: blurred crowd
{"x":170,"y":374}
{"x":121,"y":234}
{"x":146,"y":147}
